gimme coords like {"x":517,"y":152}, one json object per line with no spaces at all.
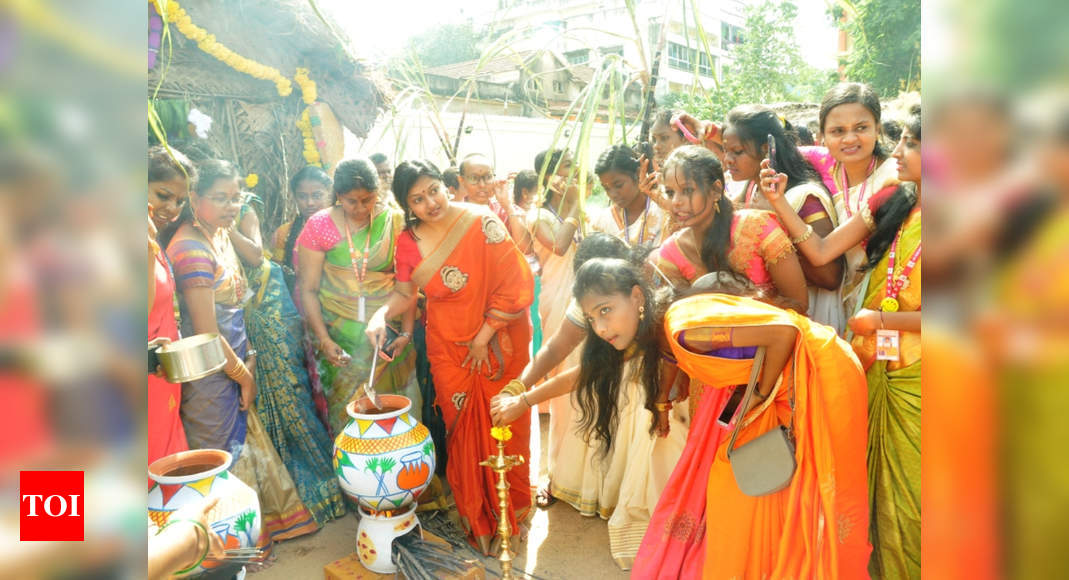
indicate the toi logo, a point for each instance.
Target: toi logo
{"x":51,"y":506}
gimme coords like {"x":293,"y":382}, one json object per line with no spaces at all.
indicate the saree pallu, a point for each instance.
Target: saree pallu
{"x":210,"y":406}
{"x":894,"y":457}
{"x":210,"y":409}
{"x":853,"y":289}
{"x":674,"y":543}
{"x":825,"y":306}
{"x":817,"y":526}
{"x":283,"y":401}
{"x":477,"y":275}
{"x":639,"y":469}
{"x":165,"y":432}
{"x":339,"y":293}
{"x":558,"y":277}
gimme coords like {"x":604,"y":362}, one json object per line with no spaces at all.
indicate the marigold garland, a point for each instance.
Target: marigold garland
{"x":208,"y":44}
{"x":311,"y":153}
{"x":308,"y":86}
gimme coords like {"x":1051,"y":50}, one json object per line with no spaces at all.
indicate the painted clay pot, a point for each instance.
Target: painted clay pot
{"x":190,"y":476}
{"x":384,"y":458}
{"x":375,"y":535}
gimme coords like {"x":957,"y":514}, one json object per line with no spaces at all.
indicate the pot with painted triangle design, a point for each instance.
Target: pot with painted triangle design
{"x":384,"y":459}
{"x":186,"y":477}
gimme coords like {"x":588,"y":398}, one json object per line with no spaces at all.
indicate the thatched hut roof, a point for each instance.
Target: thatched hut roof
{"x":252,"y":125}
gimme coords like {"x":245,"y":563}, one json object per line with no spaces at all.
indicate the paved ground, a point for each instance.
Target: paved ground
{"x":562,"y":545}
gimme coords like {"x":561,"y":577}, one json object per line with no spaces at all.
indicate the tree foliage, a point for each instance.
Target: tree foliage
{"x":887,"y":44}
{"x":768,"y":67}
{"x":446,"y":44}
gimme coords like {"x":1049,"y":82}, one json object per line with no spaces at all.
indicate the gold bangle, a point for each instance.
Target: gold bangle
{"x":665,"y":406}
{"x":524,"y":396}
{"x":514,"y":387}
{"x":239,"y":373}
{"x":805,"y":235}
{"x":758,"y":393}
{"x":572,"y":220}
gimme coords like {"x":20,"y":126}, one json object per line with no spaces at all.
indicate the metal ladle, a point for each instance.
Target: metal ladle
{"x":369,"y":388}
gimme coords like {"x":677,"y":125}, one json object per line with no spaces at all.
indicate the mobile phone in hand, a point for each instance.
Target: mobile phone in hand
{"x":391,"y":336}
{"x":771,"y":152}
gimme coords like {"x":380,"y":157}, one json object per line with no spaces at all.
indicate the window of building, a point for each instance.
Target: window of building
{"x":581,"y":56}
{"x":615,"y":49}
{"x":729,"y":35}
{"x":678,"y":56}
{"x":683,"y":58}
{"x":705,"y":67}
{"x":558,"y":87}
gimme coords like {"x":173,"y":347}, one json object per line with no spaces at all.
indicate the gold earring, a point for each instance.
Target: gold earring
{"x":641,"y":312}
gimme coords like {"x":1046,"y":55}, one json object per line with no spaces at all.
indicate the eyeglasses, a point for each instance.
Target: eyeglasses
{"x":223,"y":201}
{"x":480,"y":179}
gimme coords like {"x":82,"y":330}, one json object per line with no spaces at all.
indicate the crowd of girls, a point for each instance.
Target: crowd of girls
{"x":724,"y":242}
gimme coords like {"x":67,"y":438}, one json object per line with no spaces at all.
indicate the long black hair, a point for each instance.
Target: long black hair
{"x":525,"y":179}
{"x":164,"y":165}
{"x":754,"y":123}
{"x":602,"y":366}
{"x":618,"y":158}
{"x":547,"y":169}
{"x":600,"y":245}
{"x":208,"y":172}
{"x":847,"y":93}
{"x":307,"y":173}
{"x":664,"y":117}
{"x":890,"y":216}
{"x":700,"y":166}
{"x":404,"y":177}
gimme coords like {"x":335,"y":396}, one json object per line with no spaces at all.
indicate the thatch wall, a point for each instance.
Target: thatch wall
{"x":252,"y":125}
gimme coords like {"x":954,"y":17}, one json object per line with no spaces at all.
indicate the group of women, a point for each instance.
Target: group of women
{"x":805,"y":248}
{"x":812,"y":253}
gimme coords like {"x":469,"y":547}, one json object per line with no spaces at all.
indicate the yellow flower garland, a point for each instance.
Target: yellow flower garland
{"x":308,"y":86}
{"x":311,"y":152}
{"x":208,"y":44}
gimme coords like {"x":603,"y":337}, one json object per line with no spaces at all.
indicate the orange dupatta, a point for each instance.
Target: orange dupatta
{"x":818,"y":526}
{"x":478,"y":275}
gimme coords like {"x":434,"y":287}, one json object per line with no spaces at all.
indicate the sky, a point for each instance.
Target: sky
{"x":380,"y":29}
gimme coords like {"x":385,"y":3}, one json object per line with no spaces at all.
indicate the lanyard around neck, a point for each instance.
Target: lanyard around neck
{"x":845,"y":186}
{"x":642,"y":228}
{"x":894,"y":284}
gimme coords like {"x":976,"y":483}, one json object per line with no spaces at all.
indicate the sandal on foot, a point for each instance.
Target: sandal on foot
{"x":543,"y":498}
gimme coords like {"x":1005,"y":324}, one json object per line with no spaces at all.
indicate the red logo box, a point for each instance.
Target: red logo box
{"x":51,"y":506}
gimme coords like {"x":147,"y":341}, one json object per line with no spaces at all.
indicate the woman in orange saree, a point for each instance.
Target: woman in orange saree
{"x":817,"y":527}
{"x":478,"y":288}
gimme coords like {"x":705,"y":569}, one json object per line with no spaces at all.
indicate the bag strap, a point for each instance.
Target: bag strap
{"x":758,"y":362}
